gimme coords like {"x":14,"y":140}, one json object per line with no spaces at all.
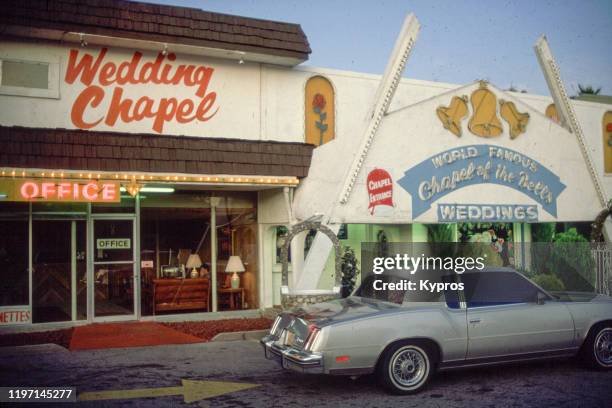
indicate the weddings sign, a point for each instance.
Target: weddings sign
{"x":454,"y":169}
{"x":487,"y":213}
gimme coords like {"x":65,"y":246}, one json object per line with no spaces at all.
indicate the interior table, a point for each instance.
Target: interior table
{"x":233,"y":293}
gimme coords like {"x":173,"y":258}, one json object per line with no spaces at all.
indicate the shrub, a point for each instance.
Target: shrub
{"x":549,"y":282}
{"x":572,"y":261}
{"x":350,"y":270}
{"x":542,"y":232}
{"x":541,"y":236}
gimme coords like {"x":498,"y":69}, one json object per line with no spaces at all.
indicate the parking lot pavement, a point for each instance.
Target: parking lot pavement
{"x":162,"y":369}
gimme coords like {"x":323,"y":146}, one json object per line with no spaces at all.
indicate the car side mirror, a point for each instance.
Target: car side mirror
{"x":541,"y":298}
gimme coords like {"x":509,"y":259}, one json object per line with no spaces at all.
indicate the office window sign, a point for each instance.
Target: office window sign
{"x":113,"y":243}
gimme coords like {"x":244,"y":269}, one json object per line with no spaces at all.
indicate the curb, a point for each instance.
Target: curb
{"x":241,"y":335}
{"x":44,"y":348}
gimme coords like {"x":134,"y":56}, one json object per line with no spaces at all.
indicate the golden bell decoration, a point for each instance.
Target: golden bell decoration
{"x":452,"y":115}
{"x":484,"y":121}
{"x":516,"y":120}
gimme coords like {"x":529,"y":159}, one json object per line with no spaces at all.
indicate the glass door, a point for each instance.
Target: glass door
{"x":58,"y":270}
{"x":114,"y":269}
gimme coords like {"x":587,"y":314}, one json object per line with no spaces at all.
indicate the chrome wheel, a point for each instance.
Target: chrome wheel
{"x":409,"y":367}
{"x":603,"y":347}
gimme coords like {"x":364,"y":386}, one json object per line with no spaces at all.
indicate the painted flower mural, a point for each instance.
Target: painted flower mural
{"x":318,"y":106}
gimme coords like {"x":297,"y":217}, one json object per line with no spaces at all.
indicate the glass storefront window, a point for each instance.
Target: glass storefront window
{"x":185,"y":235}
{"x":236,"y":223}
{"x":173,"y":227}
{"x":14,"y":286}
{"x":176,"y":227}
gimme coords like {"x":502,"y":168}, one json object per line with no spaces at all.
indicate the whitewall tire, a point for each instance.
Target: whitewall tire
{"x":406,"y":368}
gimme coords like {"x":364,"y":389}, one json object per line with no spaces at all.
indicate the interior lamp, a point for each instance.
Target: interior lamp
{"x":194,"y":262}
{"x":235,"y":266}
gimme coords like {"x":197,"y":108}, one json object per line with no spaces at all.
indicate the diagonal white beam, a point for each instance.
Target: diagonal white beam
{"x":386,"y":89}
{"x":566,"y":110}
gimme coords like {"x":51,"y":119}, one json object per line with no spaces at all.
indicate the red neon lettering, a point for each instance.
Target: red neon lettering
{"x":29,"y":190}
{"x":88,"y":193}
{"x":63,"y":190}
{"x":109,"y":192}
{"x":47,"y":189}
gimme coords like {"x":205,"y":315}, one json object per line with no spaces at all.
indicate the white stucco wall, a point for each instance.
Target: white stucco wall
{"x":412,"y":134}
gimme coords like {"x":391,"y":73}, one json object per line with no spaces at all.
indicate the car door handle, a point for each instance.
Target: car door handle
{"x":474,"y":321}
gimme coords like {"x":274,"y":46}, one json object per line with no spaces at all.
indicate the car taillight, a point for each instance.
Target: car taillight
{"x":313,"y":336}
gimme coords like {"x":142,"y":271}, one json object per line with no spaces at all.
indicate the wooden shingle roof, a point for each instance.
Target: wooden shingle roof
{"x":159,"y":23}
{"x":39,"y":148}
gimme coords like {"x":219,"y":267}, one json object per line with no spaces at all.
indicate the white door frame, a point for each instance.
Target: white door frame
{"x":91,"y":264}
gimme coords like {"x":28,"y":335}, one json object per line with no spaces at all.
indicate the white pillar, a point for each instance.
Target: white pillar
{"x":214,"y":202}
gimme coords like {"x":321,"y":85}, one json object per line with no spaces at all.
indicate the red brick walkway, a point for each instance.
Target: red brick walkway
{"x":132,"y":334}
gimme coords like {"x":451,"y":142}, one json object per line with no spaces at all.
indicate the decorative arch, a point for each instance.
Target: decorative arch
{"x":598,"y":224}
{"x":320,"y":111}
{"x":306,"y":226}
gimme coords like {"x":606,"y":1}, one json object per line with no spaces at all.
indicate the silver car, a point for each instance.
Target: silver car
{"x":500,"y":316}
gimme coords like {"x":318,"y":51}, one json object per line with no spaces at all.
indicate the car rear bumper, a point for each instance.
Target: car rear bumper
{"x":292,"y":359}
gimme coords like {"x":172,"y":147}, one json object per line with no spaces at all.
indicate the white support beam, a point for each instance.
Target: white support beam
{"x":568,"y":117}
{"x":386,"y":89}
{"x":566,"y":110}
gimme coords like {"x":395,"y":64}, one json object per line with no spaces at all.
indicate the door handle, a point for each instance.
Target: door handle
{"x":474,"y":321}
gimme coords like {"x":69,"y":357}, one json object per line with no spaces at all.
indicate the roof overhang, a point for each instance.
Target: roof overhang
{"x":142,"y":178}
{"x":287,"y":59}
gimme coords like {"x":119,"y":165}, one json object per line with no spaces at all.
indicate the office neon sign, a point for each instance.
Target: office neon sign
{"x":90,"y":191}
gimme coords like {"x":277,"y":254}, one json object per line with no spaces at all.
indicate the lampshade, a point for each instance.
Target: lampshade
{"x":194,"y":261}
{"x":234,"y":264}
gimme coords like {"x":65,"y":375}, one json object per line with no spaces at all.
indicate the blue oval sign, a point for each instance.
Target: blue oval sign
{"x":454,"y":169}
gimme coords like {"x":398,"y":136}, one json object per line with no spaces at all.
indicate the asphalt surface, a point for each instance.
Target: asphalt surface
{"x":559,"y":384}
